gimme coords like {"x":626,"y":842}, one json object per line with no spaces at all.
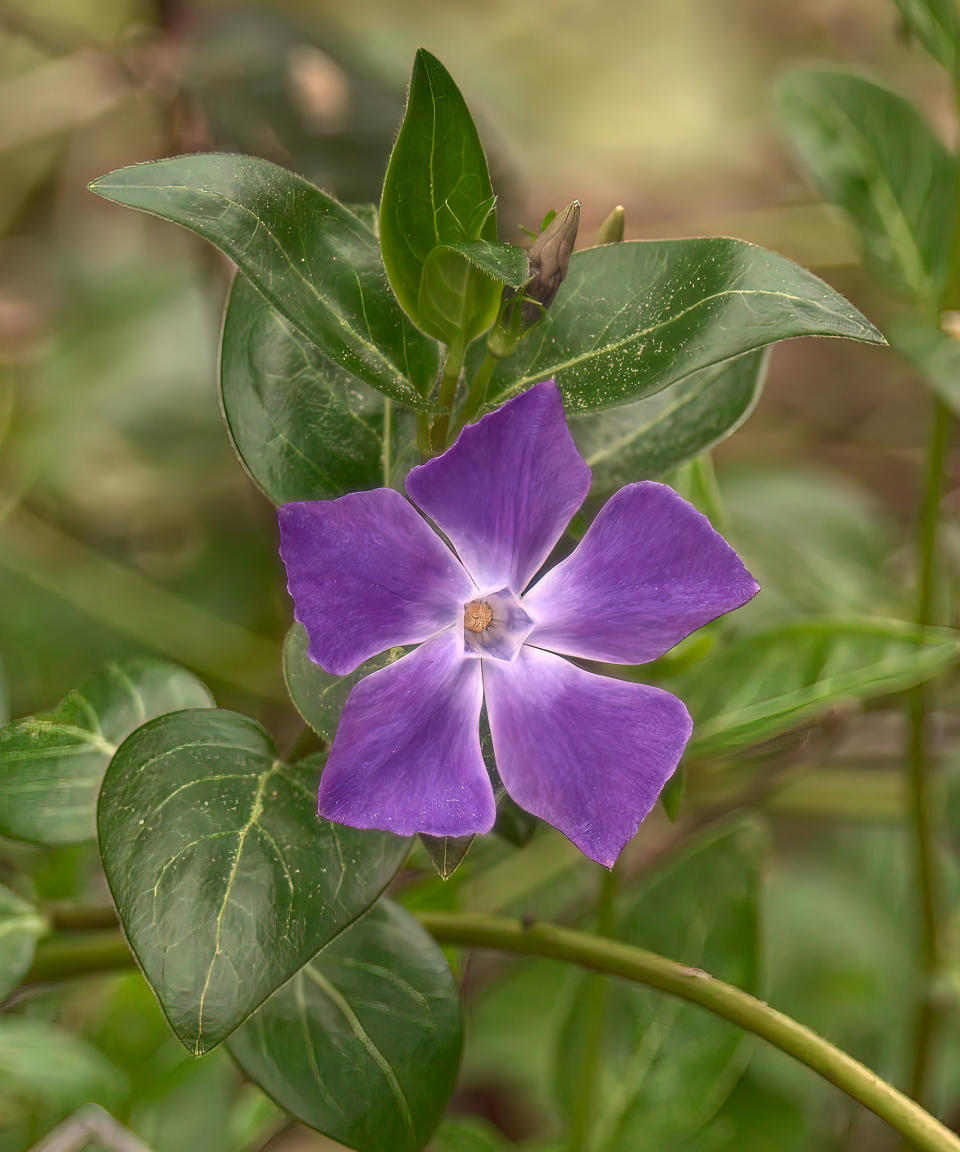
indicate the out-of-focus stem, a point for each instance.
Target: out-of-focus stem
{"x":595,"y":992}
{"x":925,"y":1017}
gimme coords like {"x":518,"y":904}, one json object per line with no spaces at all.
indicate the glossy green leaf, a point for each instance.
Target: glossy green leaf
{"x":668,"y":1066}
{"x":21,"y":926}
{"x":643,"y":440}
{"x":457,"y":301}
{"x":437,"y":192}
{"x":225,"y":880}
{"x":320,"y":696}
{"x":934,"y":23}
{"x":933,"y":353}
{"x":871,"y":152}
{"x":363,"y":1043}
{"x":303,"y":428}
{"x":51,"y":764}
{"x":315,"y":261}
{"x":632,"y":318}
{"x":758,"y":686}
{"x":503,"y":262}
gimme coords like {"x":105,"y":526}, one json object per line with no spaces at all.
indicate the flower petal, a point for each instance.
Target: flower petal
{"x":367,"y":573}
{"x":649,"y":571}
{"x":406,"y":757}
{"x":588,"y":754}
{"x":506,"y":490}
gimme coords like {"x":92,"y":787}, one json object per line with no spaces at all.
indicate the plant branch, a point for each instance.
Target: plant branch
{"x":449,"y":379}
{"x":477,"y":392}
{"x":925,"y":1016}
{"x":61,"y":957}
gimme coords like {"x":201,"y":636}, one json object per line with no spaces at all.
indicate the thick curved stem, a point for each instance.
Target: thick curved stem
{"x":64,"y":956}
{"x":740,"y":1008}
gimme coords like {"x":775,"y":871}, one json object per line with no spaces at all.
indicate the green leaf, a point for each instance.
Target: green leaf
{"x":446,"y":852}
{"x":225,"y":880}
{"x":871,"y":152}
{"x":319,"y":696}
{"x":933,"y":353}
{"x":935,"y":25}
{"x":758,"y":686}
{"x":632,"y":318}
{"x":51,"y":764}
{"x":643,"y":440}
{"x":315,"y":261}
{"x":46,"y":1073}
{"x":817,"y":543}
{"x":437,"y":192}
{"x":502,"y":262}
{"x":303,"y":428}
{"x":669,"y":1066}
{"x":468,"y":1134}
{"x":457,"y":301}
{"x":21,"y":926}
{"x":363,"y":1043}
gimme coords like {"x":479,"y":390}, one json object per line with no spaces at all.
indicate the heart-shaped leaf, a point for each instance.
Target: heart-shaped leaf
{"x":669,"y":1067}
{"x":363,"y":1043}
{"x":632,"y":318}
{"x":864,"y":146}
{"x":51,"y":764}
{"x":315,"y":261}
{"x":437,"y":192}
{"x":646,"y":439}
{"x":225,"y":879}
{"x":761,"y":685}
{"x":21,"y":926}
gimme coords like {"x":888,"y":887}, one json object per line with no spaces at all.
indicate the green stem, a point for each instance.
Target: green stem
{"x":924,"y":845}
{"x":385,"y":454}
{"x":450,"y":378}
{"x":423,"y":436}
{"x":595,"y":1026}
{"x":59,"y":958}
{"x":478,"y":391}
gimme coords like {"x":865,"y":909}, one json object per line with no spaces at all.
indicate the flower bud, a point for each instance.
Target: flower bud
{"x":611,"y":230}
{"x":549,"y":258}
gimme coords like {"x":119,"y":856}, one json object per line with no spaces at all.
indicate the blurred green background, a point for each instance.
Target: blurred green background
{"x":127,"y":525}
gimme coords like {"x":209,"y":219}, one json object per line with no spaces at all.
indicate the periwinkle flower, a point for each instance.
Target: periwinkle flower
{"x":584,"y":752}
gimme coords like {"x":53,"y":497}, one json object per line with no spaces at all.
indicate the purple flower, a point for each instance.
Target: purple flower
{"x":587,"y":753}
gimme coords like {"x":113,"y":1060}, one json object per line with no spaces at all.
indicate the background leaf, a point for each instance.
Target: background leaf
{"x":437,"y":192}
{"x":224,"y":878}
{"x":304,"y":428}
{"x":51,"y":764}
{"x":632,"y":318}
{"x":21,"y":926}
{"x":668,"y":1065}
{"x":45,"y":1074}
{"x":363,"y":1043}
{"x":933,"y":353}
{"x":312,"y":259}
{"x":644,"y":440}
{"x":935,"y":25}
{"x":871,"y":152}
{"x":758,"y":686}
